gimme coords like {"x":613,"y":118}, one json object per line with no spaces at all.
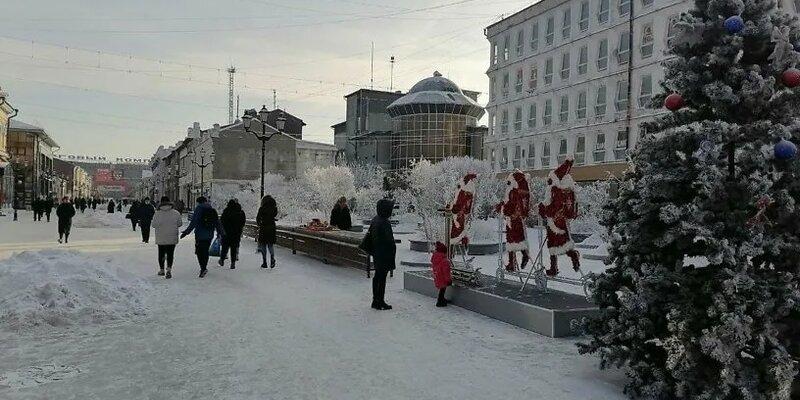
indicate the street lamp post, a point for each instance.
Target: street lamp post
{"x":202,"y":165}
{"x":247,"y":122}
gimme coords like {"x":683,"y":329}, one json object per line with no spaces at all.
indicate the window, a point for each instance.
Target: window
{"x":565,"y":66}
{"x":623,"y":51}
{"x":492,"y":87}
{"x":504,"y":158}
{"x":624,"y":7}
{"x":534,"y":77}
{"x":647,"y":40}
{"x":583,"y":23}
{"x":518,"y":81}
{"x":671,"y":28}
{"x":532,"y":116}
{"x":566,"y":23}
{"x":796,"y":6}
{"x":648,"y":3}
{"x":491,"y":124}
{"x":549,"y":31}
{"x":531,"y":155}
{"x":494,"y":53}
{"x":583,"y":60}
{"x":492,"y":158}
{"x":547,"y":117}
{"x":621,"y":101}
{"x":548,"y":71}
{"x":562,"y":150}
{"x":517,"y":119}
{"x":600,"y":102}
{"x":535,"y":36}
{"x":563,"y":111}
{"x":506,"y":44}
{"x":602,"y":55}
{"x":517,"y":156}
{"x":504,"y":122}
{"x":520,"y":42}
{"x":505,"y":84}
{"x":646,"y":91}
{"x":580,"y":150}
{"x":545,"y":154}
{"x":580,"y":112}
{"x":602,"y":11}
{"x":600,"y":148}
{"x":621,"y":150}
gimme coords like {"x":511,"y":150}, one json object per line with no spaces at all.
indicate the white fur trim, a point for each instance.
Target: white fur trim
{"x":468,"y":187}
{"x":458,"y":238}
{"x":517,"y":246}
{"x":565,"y":183}
{"x":570,"y":157}
{"x":563,"y":249}
{"x":552,"y":226}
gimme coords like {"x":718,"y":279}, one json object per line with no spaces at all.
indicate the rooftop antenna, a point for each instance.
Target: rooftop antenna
{"x":237,"y":106}
{"x":231,"y":71}
{"x":391,"y":74}
{"x":274,"y":99}
{"x":372,"y":66}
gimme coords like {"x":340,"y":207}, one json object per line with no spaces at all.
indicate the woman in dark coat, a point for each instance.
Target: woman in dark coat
{"x":65,"y":211}
{"x":379,"y":243}
{"x":133,"y":214}
{"x":233,"y":220}
{"x":111,"y":206}
{"x":267,"y":214}
{"x":340,"y":215}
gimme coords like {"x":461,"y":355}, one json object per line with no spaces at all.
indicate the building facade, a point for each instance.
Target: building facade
{"x":31,"y":150}
{"x":366,"y":118}
{"x":6,"y":171}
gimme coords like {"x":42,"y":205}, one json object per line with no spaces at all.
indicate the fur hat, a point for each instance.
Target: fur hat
{"x":468,"y":182}
{"x":561,"y":177}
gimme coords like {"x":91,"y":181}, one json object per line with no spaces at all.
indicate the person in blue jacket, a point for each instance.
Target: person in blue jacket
{"x":205,"y":221}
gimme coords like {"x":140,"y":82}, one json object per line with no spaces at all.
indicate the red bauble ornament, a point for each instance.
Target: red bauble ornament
{"x":791,"y":77}
{"x":673,"y":102}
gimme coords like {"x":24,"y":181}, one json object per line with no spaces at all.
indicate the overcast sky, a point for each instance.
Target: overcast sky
{"x":119,"y":78}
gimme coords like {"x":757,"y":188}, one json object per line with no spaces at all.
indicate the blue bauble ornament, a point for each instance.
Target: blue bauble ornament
{"x":734,"y":24}
{"x":785,"y":150}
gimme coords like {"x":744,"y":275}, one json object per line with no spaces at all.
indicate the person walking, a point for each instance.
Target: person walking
{"x":132,"y":214}
{"x":144,"y":216}
{"x":379,"y":243}
{"x":265,"y":219}
{"x":204,"y":222}
{"x":340,"y":215}
{"x":83,"y":205}
{"x":166,"y":222}
{"x":233,"y":220}
{"x":48,"y":207}
{"x":64,"y":212}
{"x":36,"y":207}
{"x":111,"y":206}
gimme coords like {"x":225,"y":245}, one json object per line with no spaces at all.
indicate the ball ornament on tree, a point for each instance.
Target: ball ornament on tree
{"x":673,"y":102}
{"x":734,"y":24}
{"x":785,"y":150}
{"x":791,"y":77}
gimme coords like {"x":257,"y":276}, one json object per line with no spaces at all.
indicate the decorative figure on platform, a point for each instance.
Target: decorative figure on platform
{"x":461,"y":207}
{"x":557,"y":210}
{"x":515,"y":209}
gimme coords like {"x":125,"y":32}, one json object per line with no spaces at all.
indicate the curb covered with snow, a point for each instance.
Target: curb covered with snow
{"x":99,"y":219}
{"x":56,"y":288}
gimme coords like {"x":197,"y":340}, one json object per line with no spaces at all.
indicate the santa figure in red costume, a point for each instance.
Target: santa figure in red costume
{"x":461,"y":207}
{"x":515,"y":209}
{"x":557,"y":211}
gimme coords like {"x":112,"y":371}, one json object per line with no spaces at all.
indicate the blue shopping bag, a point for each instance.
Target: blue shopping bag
{"x":215,"y":250}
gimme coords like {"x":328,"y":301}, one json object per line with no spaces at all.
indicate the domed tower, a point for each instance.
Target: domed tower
{"x":433,"y":121}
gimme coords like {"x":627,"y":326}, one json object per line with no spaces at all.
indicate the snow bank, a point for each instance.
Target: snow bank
{"x":100,"y":220}
{"x":59,"y":288}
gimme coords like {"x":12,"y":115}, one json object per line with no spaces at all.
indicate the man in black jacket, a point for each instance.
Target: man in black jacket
{"x":144,"y":215}
{"x":379,"y":243}
{"x":64,"y":212}
{"x":48,"y":207}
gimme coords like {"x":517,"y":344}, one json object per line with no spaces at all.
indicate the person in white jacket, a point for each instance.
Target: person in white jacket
{"x":166,"y":223}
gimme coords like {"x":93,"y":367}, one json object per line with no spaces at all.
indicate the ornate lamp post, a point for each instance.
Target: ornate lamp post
{"x":202,"y":165}
{"x":265,"y":134}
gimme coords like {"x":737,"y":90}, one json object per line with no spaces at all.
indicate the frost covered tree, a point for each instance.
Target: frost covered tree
{"x":701,"y":300}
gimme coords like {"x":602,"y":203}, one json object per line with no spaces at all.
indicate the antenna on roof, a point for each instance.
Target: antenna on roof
{"x":372,"y":66}
{"x":391,"y":73}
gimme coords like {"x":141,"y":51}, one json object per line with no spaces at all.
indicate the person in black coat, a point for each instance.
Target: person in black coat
{"x":233,"y":220}
{"x":265,"y":219}
{"x":48,"y":206}
{"x":340,"y":215}
{"x":133,"y":214}
{"x":144,"y":216}
{"x":111,"y":206}
{"x":379,"y":243}
{"x":64,"y":212}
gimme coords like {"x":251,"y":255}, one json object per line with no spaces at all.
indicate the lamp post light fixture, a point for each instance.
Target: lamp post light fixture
{"x":263,"y":135}
{"x":202,"y":165}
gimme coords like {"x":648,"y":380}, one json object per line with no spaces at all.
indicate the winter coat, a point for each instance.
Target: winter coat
{"x":48,"y":206}
{"x":233,"y":220}
{"x":65,"y":212}
{"x":166,"y":223}
{"x":133,"y":211}
{"x":111,"y":207}
{"x":379,"y":240}
{"x":202,"y":232}
{"x":340,"y":217}
{"x":144,"y":212}
{"x":440,"y":265}
{"x":266,"y":224}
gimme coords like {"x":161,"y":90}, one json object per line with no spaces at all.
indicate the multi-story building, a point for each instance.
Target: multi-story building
{"x":31,"y":150}
{"x":367,"y":122}
{"x":577,"y":77}
{"x":71,"y":180}
{"x":6,"y":172}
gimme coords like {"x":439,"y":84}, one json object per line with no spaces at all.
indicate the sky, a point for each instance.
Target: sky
{"x":119,"y":78}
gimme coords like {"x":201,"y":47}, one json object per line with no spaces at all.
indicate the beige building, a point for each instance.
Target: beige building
{"x":6,"y":172}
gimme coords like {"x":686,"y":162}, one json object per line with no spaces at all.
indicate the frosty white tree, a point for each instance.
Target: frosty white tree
{"x":706,"y":184}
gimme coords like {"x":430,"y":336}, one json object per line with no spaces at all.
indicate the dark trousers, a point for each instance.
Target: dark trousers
{"x":234,"y":247}
{"x":133,"y":224}
{"x":166,"y":251}
{"x":379,"y":286}
{"x":63,"y":228}
{"x":201,"y":249}
{"x":47,"y":213}
{"x":144,"y":226}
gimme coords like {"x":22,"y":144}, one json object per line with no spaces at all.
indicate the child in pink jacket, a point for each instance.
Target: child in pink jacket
{"x":442,"y":278}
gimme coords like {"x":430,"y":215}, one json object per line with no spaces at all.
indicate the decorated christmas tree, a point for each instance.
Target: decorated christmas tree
{"x":702,"y":297}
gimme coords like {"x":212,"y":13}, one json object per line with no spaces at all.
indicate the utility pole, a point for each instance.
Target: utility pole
{"x":274,"y":100}
{"x":372,"y":66}
{"x":231,"y":71}
{"x":391,"y":73}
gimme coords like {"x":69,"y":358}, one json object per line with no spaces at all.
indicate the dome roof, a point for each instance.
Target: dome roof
{"x":435,"y":94}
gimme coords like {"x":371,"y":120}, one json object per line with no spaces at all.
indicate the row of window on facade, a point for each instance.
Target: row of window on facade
{"x":565,"y":68}
{"x":501,"y":122}
{"x":527,"y":158}
{"x":602,"y":16}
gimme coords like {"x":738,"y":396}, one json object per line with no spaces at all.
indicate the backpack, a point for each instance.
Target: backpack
{"x":209,"y":218}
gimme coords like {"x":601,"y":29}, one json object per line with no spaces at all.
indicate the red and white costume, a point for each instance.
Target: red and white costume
{"x":515,"y":209}
{"x":461,"y":207}
{"x":557,"y":211}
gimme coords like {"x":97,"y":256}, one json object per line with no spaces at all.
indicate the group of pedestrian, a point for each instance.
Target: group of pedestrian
{"x":42,"y":206}
{"x":142,"y":213}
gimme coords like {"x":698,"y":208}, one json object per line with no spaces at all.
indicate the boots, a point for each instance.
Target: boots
{"x":233,"y":264}
{"x":169,"y":273}
{"x":525,"y":259}
{"x":161,"y":272}
{"x":203,"y":273}
{"x":576,"y":259}
{"x":221,"y":262}
{"x":441,"y":301}
{"x":272,"y":262}
{"x":553,"y":271}
{"x":512,"y":262}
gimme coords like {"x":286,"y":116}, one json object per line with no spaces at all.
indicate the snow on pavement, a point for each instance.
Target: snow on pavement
{"x":301,"y":331}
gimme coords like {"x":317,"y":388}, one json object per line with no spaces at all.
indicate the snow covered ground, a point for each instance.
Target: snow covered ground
{"x":301,"y":331}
